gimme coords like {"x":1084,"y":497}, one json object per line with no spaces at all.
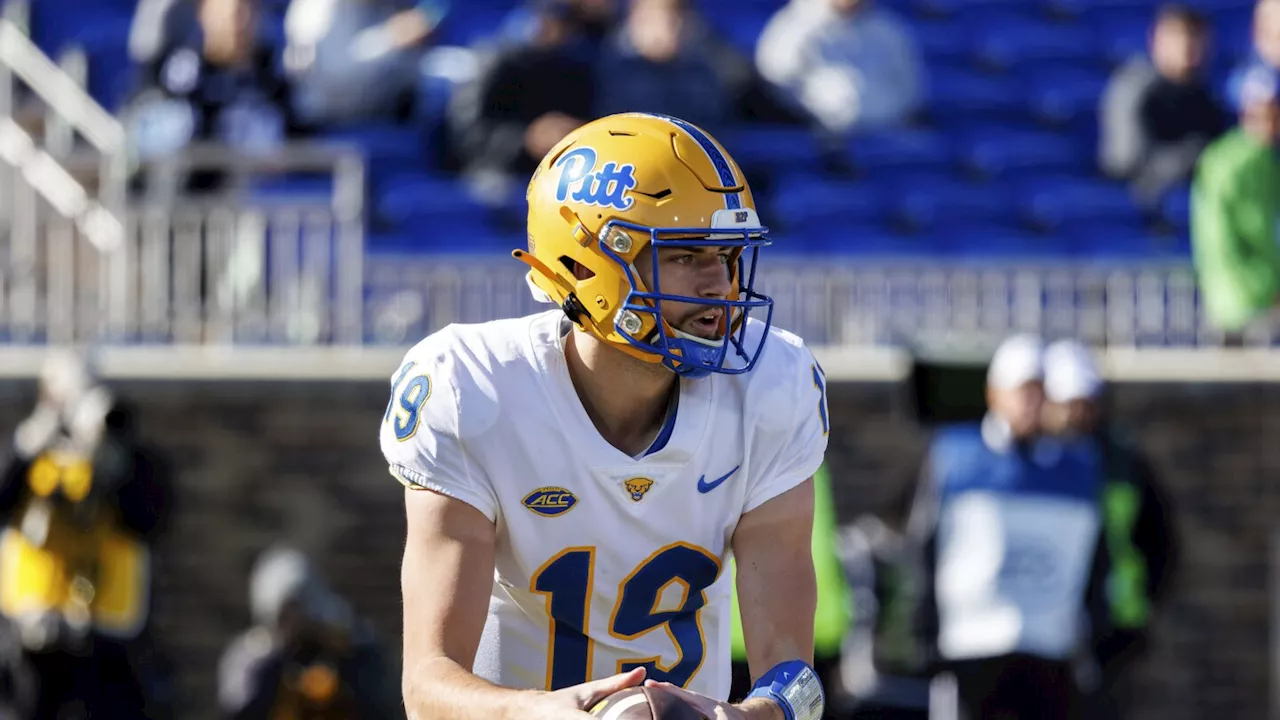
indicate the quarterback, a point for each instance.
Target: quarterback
{"x":578,"y":480}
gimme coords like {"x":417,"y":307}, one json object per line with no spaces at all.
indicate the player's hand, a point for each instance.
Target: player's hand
{"x":571,"y":703}
{"x":716,"y":710}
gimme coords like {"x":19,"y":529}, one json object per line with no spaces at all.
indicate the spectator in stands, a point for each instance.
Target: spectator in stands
{"x":1138,"y":549}
{"x":1235,"y":204}
{"x":1265,"y":55}
{"x":1158,"y":112}
{"x":308,"y":655}
{"x":356,"y":60}
{"x":852,"y":64}
{"x":595,"y":19}
{"x":526,"y":98}
{"x":663,"y":59}
{"x":83,"y":501}
{"x":216,"y":81}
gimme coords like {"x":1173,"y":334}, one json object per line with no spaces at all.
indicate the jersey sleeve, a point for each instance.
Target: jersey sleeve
{"x":794,"y":450}
{"x":422,"y":438}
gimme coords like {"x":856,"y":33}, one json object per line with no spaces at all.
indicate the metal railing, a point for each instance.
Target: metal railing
{"x":82,"y":262}
{"x":855,"y":304}
{"x":45,"y":204}
{"x":221,"y":270}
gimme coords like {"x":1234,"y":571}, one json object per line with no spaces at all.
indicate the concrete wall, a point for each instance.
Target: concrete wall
{"x":261,"y":461}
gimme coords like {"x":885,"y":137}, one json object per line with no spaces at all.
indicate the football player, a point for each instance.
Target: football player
{"x":578,"y":479}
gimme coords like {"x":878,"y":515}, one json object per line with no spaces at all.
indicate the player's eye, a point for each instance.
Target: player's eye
{"x":725,"y":256}
{"x":682,"y":258}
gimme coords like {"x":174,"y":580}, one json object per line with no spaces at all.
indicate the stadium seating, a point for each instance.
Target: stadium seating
{"x":1002,"y":163}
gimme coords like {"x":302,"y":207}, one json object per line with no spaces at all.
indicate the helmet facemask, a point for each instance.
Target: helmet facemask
{"x":639,"y":319}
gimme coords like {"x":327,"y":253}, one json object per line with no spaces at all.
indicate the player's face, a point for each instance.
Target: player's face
{"x":701,"y":272}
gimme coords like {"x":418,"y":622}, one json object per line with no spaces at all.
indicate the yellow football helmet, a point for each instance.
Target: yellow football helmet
{"x":625,"y":182}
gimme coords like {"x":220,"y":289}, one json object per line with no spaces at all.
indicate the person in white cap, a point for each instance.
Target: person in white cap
{"x":1005,"y":522}
{"x":1073,"y":389}
{"x":1015,"y":390}
{"x":1136,"y":546}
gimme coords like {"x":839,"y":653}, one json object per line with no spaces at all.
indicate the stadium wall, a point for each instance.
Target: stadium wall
{"x":260,"y":460}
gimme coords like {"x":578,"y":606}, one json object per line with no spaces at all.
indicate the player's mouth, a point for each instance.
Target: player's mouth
{"x":706,"y":323}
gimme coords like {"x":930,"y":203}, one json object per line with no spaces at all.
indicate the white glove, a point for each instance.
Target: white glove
{"x":37,"y":432}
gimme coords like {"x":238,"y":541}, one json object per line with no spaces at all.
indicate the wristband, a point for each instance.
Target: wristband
{"x":795,"y":687}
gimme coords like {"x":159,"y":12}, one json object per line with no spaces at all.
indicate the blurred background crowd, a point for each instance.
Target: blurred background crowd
{"x":240,"y":212}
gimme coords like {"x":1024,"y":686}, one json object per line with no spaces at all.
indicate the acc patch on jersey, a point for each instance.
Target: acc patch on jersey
{"x":550,"y":501}
{"x":637,"y":487}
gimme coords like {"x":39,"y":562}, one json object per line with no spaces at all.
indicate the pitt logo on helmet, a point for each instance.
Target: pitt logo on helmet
{"x":637,"y":487}
{"x":550,"y":501}
{"x":606,"y":188}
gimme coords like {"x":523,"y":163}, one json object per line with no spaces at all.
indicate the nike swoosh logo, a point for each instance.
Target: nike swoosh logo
{"x":706,"y":487}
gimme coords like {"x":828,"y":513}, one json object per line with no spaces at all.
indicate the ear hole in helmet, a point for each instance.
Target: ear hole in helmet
{"x":580,"y":271}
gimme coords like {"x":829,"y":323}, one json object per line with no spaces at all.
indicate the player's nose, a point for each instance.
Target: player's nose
{"x":714,"y":282}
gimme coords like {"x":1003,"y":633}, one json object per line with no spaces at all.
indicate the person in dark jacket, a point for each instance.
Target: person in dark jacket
{"x":1158,"y":112}
{"x":83,"y":501}
{"x":308,"y":655}
{"x":527,"y":97}
{"x":214,"y":80}
{"x":1135,"y":559}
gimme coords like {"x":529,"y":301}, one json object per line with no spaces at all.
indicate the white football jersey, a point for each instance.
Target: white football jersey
{"x":604,"y":561}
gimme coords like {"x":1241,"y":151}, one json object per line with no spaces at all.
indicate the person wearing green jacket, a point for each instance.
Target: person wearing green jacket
{"x":831,"y":620}
{"x":1235,"y":204}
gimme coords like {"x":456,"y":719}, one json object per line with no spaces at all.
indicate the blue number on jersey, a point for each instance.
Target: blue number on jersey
{"x":395,"y":385}
{"x":410,"y":402}
{"x":566,"y":580}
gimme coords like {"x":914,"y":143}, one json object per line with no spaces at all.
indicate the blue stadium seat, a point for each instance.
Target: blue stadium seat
{"x":1121,"y":35}
{"x":473,"y":25}
{"x":999,"y":241}
{"x":999,"y":151}
{"x":1063,"y":94}
{"x":1052,"y":201}
{"x":1013,"y":40}
{"x":956,"y":92}
{"x":1094,"y":8}
{"x":954,"y":7}
{"x":939,"y":41}
{"x":810,"y":200}
{"x":941,"y":202}
{"x":742,"y":26}
{"x":1119,"y":243}
{"x":874,"y":241}
{"x":771,"y":146}
{"x":1176,"y":208}
{"x":900,"y":149}
{"x":390,"y":148}
{"x":426,"y":201}
{"x":106,"y":47}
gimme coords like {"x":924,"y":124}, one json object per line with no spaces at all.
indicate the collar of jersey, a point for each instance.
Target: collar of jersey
{"x":688,"y":426}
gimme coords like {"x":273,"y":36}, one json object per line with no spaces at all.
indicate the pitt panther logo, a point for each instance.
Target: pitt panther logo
{"x":637,"y":487}
{"x":606,"y":187}
{"x":550,"y":501}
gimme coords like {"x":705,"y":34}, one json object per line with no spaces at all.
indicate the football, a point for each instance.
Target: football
{"x":642,"y":703}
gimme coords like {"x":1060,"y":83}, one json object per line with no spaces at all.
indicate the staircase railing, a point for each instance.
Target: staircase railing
{"x":42,"y":199}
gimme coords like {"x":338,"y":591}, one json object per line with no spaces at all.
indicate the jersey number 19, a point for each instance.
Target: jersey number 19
{"x":566,"y":581}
